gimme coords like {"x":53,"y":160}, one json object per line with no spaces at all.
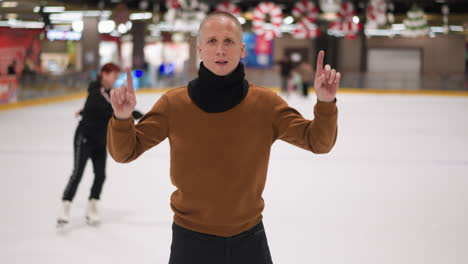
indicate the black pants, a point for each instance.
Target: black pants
{"x":305,"y":89}
{"x":284,"y":84}
{"x":249,"y":247}
{"x":83,"y":150}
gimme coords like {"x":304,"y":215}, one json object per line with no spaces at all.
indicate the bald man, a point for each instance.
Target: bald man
{"x":220,"y":129}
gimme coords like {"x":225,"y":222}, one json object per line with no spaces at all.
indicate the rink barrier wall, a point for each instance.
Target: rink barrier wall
{"x":81,"y":95}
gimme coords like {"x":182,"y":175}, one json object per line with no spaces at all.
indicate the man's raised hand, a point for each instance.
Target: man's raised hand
{"x":123,"y":98}
{"x":327,"y":80}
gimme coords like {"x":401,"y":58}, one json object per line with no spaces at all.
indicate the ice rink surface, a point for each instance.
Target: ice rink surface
{"x":394,"y":190}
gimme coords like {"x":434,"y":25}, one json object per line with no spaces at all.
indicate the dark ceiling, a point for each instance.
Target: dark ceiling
{"x":401,"y":6}
{"x":458,"y":8}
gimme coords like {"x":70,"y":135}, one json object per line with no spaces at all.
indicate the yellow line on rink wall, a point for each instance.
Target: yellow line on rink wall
{"x":155,"y":90}
{"x":64,"y":98}
{"x":81,"y":95}
{"x":393,"y":92}
{"x":402,"y":92}
{"x":42,"y":101}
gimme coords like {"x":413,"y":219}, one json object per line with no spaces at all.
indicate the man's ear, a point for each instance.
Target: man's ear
{"x":243,"y":50}
{"x":199,"y":51}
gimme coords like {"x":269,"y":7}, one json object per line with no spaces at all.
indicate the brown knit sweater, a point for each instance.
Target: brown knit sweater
{"x":219,"y":161}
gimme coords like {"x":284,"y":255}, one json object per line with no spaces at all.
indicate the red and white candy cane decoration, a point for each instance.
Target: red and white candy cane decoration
{"x":229,"y":8}
{"x":173,"y":10}
{"x":345,"y":24}
{"x":173,"y":4}
{"x":376,"y":13}
{"x":307,"y":12}
{"x":276,"y":18}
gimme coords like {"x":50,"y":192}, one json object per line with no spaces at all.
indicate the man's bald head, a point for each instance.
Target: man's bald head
{"x":219,"y":14}
{"x":220,"y":44}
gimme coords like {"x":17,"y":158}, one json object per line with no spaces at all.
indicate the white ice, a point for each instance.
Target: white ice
{"x":393,"y":190}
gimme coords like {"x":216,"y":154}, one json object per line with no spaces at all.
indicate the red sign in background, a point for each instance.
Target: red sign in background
{"x":22,"y":46}
{"x":19,"y":48}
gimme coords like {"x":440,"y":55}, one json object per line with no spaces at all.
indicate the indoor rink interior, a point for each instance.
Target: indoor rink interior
{"x":393,"y":189}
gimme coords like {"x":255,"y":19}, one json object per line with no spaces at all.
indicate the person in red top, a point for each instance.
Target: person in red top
{"x":220,"y":129}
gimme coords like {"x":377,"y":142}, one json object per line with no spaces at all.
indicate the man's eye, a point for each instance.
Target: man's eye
{"x":212,"y":41}
{"x":229,"y":41}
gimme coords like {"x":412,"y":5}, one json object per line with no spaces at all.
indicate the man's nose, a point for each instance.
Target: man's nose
{"x":220,"y":50}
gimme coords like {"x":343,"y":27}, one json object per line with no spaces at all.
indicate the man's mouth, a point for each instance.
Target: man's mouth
{"x":221,"y":62}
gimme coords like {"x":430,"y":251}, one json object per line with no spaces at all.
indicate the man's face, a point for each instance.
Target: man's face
{"x":220,"y":45}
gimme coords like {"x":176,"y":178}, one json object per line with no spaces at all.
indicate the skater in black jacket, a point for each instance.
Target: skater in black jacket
{"x":90,"y":143}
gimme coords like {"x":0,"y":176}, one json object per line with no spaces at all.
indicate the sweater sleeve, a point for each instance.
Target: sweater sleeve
{"x":318,"y":135}
{"x":128,"y":141}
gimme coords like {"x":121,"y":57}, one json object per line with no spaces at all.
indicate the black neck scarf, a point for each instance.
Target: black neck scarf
{"x":216,"y":94}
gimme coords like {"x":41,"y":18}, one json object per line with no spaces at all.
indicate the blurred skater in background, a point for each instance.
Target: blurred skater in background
{"x":307,"y":76}
{"x":90,"y":143}
{"x":286,"y":67}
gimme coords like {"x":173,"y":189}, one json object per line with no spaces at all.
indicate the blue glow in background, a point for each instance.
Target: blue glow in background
{"x":122,"y":80}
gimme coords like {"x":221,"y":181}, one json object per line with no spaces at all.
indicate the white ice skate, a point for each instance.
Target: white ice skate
{"x":64,"y":215}
{"x":92,"y":215}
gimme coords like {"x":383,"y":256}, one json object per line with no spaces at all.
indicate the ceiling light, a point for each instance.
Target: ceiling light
{"x":92,"y":13}
{"x":49,"y":9}
{"x":9,"y":4}
{"x":288,"y":20}
{"x":122,"y":29}
{"x":329,"y":16}
{"x":77,"y":25}
{"x":11,"y":16}
{"x":21,"y":24}
{"x":437,"y":29}
{"x":67,"y":16}
{"x":106,"y":26}
{"x":398,"y":27}
{"x":355,"y":19}
{"x":143,"y":5}
{"x":241,"y":20}
{"x":456,"y":28}
{"x":141,"y":16}
{"x":128,"y":24}
{"x":63,"y":35}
